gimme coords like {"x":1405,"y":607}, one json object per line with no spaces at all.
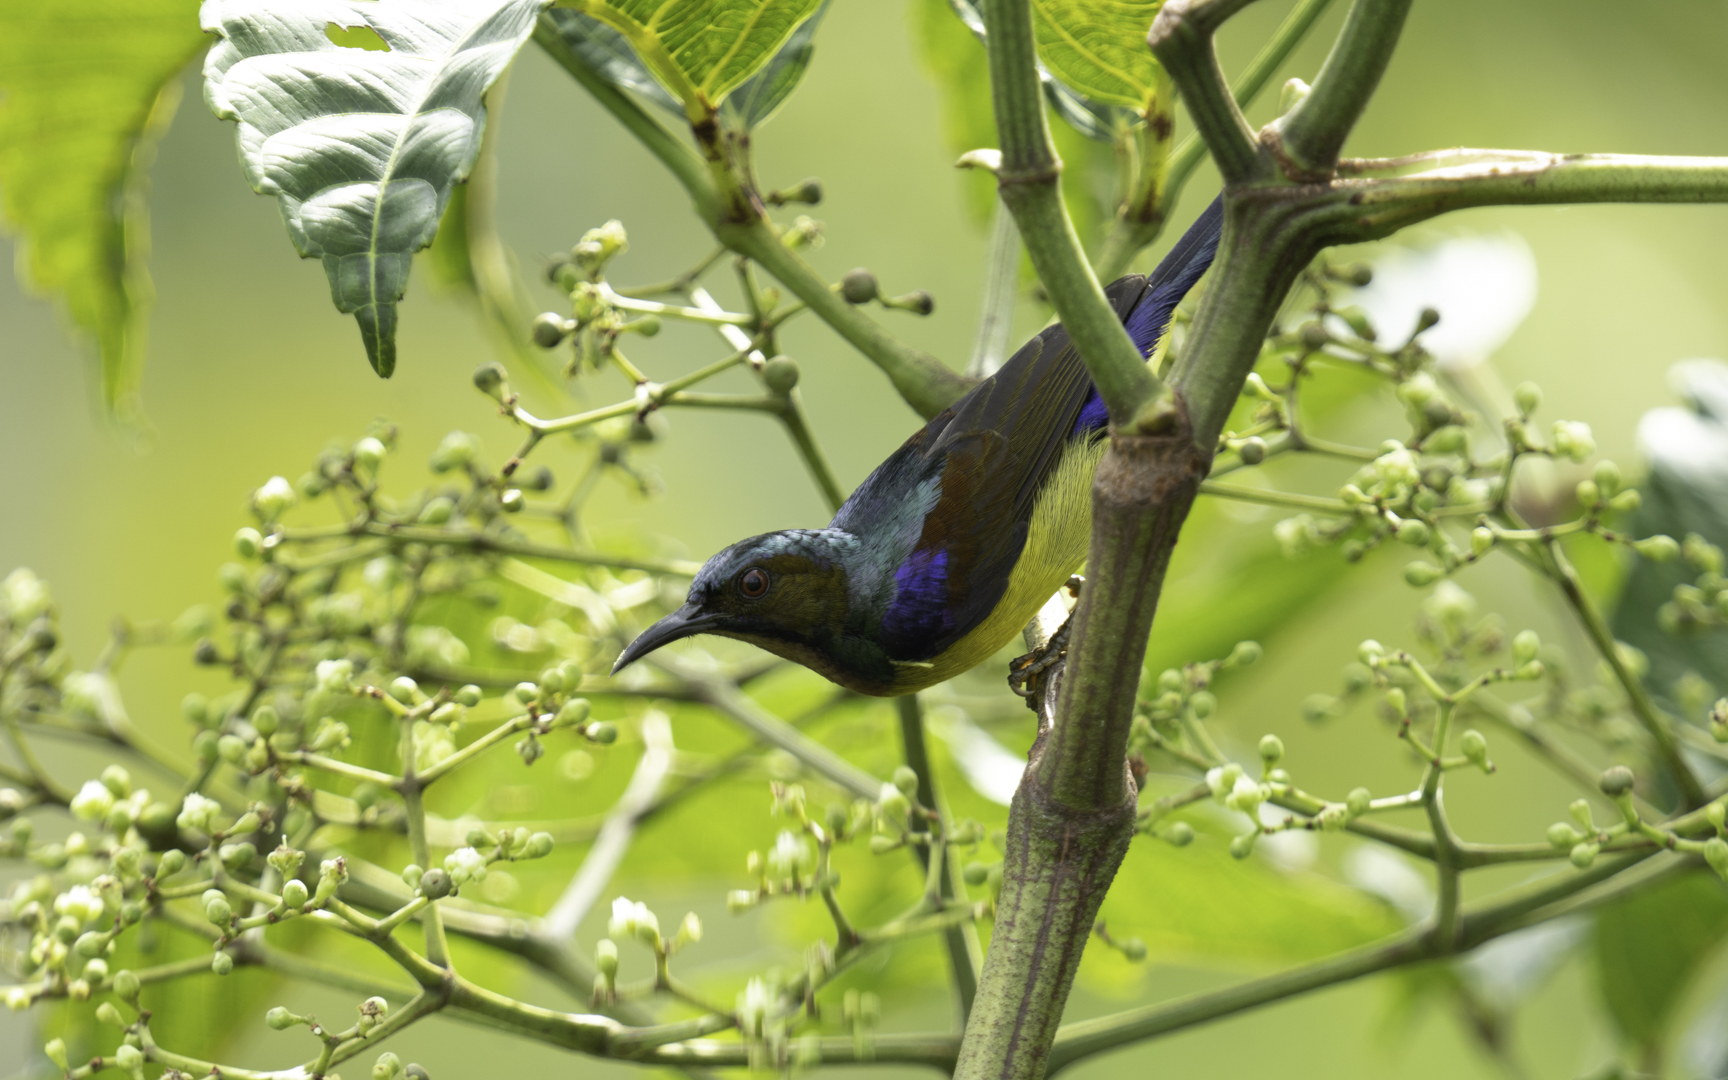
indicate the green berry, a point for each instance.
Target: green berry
{"x":780,"y":374}
{"x":1617,"y":780}
{"x":859,"y":286}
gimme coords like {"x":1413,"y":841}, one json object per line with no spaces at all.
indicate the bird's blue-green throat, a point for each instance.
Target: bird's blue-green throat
{"x":953,"y":543}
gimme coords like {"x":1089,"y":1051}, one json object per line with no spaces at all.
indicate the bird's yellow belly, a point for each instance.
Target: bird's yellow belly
{"x":1057,"y":540}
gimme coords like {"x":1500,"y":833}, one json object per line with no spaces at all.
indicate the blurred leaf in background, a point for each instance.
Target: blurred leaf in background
{"x":86,"y":89}
{"x":1648,"y":949}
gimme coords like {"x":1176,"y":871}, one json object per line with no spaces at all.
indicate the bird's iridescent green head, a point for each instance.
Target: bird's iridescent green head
{"x":785,"y":592}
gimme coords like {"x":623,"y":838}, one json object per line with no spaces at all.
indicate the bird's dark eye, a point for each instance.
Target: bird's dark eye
{"x":753,"y":583}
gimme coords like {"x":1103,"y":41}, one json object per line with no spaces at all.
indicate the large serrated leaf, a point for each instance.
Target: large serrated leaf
{"x":609,"y":54}
{"x":605,"y":52}
{"x":1097,"y":48}
{"x":701,"y":50}
{"x":85,"y":87}
{"x":361,"y":147}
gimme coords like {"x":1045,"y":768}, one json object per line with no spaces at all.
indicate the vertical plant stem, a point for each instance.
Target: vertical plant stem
{"x":1691,"y":791}
{"x":964,"y":954}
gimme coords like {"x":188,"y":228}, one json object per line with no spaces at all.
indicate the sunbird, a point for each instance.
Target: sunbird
{"x":948,"y":549}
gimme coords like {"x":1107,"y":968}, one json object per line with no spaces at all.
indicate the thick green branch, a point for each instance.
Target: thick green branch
{"x":1181,"y":38}
{"x":1028,"y":182}
{"x":1313,"y":132}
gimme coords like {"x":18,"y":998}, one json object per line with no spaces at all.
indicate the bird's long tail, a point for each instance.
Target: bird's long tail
{"x":1181,"y":268}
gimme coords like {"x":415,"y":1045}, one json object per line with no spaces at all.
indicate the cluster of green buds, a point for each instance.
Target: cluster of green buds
{"x":798,"y":862}
{"x":633,"y":920}
{"x":1701,"y":604}
{"x":599,"y":315}
{"x":471,"y":863}
{"x":1170,"y":714}
{"x":1584,"y":839}
{"x":552,"y":705}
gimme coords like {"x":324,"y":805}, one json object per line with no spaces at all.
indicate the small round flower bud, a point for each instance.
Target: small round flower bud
{"x":1589,"y":495}
{"x":572,"y":712}
{"x":1481,"y":539}
{"x":274,"y":497}
{"x":1533,"y":670}
{"x":1252,"y":450}
{"x":56,"y":1052}
{"x":246,"y":542}
{"x":221,"y":963}
{"x":1358,"y":802}
{"x":606,"y":957}
{"x":294,"y":893}
{"x":603,"y":733}
{"x":1525,"y":647}
{"x":1475,"y":748}
{"x":1413,"y":532}
{"x":368,"y":454}
{"x":539,"y":846}
{"x":1715,"y":814}
{"x":1716,"y":854}
{"x":780,"y":374}
{"x":1370,"y":651}
{"x":436,"y":511}
{"x":468,"y":695}
{"x":1245,"y":653}
{"x":217,"y":910}
{"x":1422,"y":573}
{"x":1607,"y":477}
{"x":550,"y":328}
{"x":1179,"y":834}
{"x":172,"y":862}
{"x":489,"y":379}
{"x":1243,"y":846}
{"x":1527,"y":398}
{"x":1134,"y":949}
{"x":1397,"y":701}
{"x":1617,"y":780}
{"x":1658,"y":548}
{"x":1627,"y":501}
{"x":280,"y":1019}
{"x":126,"y":985}
{"x":1271,"y":749}
{"x":434,"y":884}
{"x":906,"y":780}
{"x":1563,"y":836}
{"x":108,"y":1014}
{"x":1583,"y":855}
{"x":512,"y":501}
{"x":882,"y":845}
{"x":859,"y":286}
{"x":404,"y":689}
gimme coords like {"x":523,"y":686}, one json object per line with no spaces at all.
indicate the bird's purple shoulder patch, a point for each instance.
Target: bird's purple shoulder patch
{"x":1093,"y":415}
{"x":919,"y":611}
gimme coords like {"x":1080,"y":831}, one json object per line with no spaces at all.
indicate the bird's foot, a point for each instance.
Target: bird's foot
{"x":1024,"y":670}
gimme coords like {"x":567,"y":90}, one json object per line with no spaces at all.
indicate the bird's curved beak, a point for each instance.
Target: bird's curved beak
{"x":685,"y":622}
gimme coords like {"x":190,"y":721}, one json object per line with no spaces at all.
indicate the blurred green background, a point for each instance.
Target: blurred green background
{"x":251,"y":372}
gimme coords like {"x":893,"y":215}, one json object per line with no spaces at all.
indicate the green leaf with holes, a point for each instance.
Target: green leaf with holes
{"x":701,"y":50}
{"x":85,"y":89}
{"x":360,"y":116}
{"x":1098,"y":49}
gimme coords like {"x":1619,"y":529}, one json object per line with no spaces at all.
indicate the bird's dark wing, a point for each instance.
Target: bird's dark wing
{"x":991,"y":453}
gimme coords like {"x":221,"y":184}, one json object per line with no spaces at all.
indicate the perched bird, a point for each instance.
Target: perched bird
{"x":946,"y":551}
